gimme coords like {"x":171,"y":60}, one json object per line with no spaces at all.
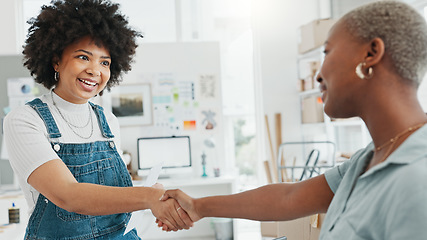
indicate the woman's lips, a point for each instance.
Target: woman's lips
{"x":88,"y":82}
{"x":87,"y":85}
{"x":323,"y":91}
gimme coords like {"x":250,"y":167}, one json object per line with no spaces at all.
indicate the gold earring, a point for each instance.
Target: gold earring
{"x":360,"y":74}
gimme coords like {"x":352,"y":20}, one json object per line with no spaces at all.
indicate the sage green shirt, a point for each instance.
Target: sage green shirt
{"x":389,"y":201}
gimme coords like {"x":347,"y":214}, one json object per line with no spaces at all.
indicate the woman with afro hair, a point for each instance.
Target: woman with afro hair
{"x":65,"y":149}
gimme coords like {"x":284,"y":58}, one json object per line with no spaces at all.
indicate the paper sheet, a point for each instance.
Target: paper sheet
{"x":141,"y":220}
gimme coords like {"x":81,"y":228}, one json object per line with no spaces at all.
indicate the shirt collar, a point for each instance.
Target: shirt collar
{"x":66,"y":106}
{"x":409,"y":151}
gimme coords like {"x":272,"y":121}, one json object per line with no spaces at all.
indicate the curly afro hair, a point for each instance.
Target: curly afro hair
{"x":66,"y":21}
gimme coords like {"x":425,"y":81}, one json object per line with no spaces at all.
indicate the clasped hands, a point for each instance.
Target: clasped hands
{"x":178,"y":211}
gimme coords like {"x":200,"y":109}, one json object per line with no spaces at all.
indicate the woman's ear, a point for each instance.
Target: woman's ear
{"x":375,"y":52}
{"x":55,"y":63}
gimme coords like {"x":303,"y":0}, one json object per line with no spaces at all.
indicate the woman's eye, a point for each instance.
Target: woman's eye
{"x":83,"y":57}
{"x":106,"y":63}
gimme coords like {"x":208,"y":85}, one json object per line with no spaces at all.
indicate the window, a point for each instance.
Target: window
{"x":229,"y":22}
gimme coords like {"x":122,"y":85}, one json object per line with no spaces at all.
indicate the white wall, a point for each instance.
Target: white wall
{"x":8,"y":27}
{"x":185,"y":62}
{"x":276,"y":24}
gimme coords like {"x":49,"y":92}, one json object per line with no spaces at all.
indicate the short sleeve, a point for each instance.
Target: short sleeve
{"x":335,"y":175}
{"x":26,"y":140}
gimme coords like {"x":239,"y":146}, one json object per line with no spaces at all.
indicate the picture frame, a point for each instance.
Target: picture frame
{"x":132,"y":104}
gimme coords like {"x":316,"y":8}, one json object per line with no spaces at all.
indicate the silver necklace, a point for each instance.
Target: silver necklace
{"x":72,"y":125}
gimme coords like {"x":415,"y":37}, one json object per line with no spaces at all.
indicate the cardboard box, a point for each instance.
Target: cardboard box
{"x":307,"y":228}
{"x":312,"y":110}
{"x":314,"y":34}
{"x":308,"y":73}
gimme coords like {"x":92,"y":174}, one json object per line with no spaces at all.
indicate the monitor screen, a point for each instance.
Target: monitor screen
{"x":174,"y":152}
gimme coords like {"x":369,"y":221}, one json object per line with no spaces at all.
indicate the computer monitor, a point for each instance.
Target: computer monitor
{"x":174,"y":152}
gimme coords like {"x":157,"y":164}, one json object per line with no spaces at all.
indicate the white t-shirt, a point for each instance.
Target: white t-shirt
{"x":27,"y":139}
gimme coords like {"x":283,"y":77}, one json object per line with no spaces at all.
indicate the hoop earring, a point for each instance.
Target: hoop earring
{"x":360,"y":74}
{"x":56,"y":76}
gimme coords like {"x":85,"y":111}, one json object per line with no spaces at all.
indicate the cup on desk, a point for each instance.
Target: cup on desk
{"x":217,"y":172}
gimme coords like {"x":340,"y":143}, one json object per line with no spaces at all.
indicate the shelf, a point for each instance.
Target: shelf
{"x":340,"y":123}
{"x":354,"y":121}
{"x":312,"y":54}
{"x":311,"y":92}
{"x":347,"y":123}
{"x":178,"y":182}
{"x":318,"y":124}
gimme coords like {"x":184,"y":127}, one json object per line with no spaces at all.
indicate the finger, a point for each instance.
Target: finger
{"x":168,"y":229}
{"x":176,"y":215}
{"x":164,"y":197}
{"x":168,"y":222}
{"x":169,"y":194}
{"x":163,"y":226}
{"x":160,"y":224}
{"x":172,"y":216}
{"x":167,"y":226}
{"x":179,"y":221}
{"x":185,"y":218}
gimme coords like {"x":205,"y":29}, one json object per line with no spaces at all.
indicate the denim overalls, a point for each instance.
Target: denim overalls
{"x":96,"y":162}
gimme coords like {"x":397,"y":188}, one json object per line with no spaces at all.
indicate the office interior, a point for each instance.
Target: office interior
{"x":235,"y":77}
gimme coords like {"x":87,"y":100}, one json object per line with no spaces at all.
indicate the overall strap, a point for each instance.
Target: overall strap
{"x":43,"y":110}
{"x":102,"y":121}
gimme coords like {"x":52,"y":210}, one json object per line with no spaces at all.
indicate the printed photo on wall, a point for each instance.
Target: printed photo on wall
{"x":207,"y":87}
{"x":132,"y":105}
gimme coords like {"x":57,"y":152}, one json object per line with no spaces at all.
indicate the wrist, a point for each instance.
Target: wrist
{"x":153,"y":196}
{"x":198,"y":207}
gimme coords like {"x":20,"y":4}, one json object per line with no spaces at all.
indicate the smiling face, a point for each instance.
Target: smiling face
{"x":84,"y":70}
{"x":341,"y":88}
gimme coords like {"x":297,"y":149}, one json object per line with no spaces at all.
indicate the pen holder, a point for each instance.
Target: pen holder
{"x":13,"y":214}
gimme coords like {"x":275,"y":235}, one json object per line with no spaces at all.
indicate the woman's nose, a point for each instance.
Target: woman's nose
{"x":319,"y":78}
{"x":93,"y":70}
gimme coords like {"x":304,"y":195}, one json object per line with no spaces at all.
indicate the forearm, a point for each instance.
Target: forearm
{"x":282,"y":201}
{"x":92,"y":199}
{"x":263,"y":203}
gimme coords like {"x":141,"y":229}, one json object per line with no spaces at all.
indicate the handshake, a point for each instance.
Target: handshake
{"x":175,"y":211}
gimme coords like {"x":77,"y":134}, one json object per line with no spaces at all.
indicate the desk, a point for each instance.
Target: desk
{"x":195,"y":187}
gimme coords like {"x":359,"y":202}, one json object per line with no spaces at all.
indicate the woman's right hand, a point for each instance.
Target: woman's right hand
{"x":185,"y":201}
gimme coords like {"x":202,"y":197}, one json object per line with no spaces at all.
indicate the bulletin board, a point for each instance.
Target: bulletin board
{"x":185,"y":94}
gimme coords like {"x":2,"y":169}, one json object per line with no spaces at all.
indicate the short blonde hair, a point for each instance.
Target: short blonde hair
{"x":403,"y":30}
